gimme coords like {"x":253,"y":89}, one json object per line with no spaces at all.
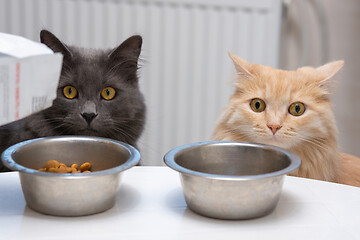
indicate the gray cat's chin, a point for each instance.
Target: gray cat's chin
{"x":88,"y":132}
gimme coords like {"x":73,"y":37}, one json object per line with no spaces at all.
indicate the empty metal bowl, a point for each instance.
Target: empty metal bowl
{"x":70,"y":194}
{"x":231,"y":180}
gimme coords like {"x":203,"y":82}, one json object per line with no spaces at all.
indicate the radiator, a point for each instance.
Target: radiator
{"x":186,"y":75}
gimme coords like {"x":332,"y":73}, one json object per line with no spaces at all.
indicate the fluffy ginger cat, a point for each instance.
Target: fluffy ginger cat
{"x":288,"y":109}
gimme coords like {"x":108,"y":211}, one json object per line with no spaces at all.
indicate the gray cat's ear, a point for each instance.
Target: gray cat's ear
{"x":241,"y":66}
{"x":129,"y":49}
{"x":54,"y":43}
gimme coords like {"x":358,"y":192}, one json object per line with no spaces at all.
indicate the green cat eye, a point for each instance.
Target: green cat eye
{"x":297,"y":109}
{"x":108,"y":93}
{"x":70,"y":92}
{"x":257,"y":105}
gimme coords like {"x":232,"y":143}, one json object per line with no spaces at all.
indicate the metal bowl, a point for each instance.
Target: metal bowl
{"x":70,"y":194}
{"x":231,"y":180}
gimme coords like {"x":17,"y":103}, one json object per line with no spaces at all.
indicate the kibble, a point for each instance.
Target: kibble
{"x":84,"y":167}
{"x":56,"y":167}
{"x":52,"y":164}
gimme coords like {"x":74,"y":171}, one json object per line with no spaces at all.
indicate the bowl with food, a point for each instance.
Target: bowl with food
{"x":70,"y":175}
{"x":231,"y":180}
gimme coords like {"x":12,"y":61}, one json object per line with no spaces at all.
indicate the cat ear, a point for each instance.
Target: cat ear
{"x":241,"y":65}
{"x":54,"y":43}
{"x":129,"y":49}
{"x":329,"y":70}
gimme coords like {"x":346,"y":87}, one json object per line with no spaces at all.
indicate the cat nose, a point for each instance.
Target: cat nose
{"x":88,"y":117}
{"x":274,"y":128}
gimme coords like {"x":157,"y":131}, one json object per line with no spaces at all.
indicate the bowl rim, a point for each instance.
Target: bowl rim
{"x":169,"y":159}
{"x":9,"y":162}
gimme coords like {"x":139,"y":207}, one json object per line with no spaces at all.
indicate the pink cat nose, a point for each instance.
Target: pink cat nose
{"x":274,"y":128}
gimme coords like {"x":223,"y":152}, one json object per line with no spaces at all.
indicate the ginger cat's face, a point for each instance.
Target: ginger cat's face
{"x":282,"y":108}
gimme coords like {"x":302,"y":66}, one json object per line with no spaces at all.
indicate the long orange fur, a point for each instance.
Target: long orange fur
{"x":312,"y":136}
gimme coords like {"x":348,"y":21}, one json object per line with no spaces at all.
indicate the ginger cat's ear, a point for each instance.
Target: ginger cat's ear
{"x":327,"y":73}
{"x":241,"y":65}
{"x":329,"y":70}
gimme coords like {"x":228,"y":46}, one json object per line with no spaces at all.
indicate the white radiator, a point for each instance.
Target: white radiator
{"x":187,"y":75}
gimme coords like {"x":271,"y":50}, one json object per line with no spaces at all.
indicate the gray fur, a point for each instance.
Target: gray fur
{"x":89,"y":71}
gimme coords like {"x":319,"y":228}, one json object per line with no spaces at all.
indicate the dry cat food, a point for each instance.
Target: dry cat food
{"x":56,"y":167}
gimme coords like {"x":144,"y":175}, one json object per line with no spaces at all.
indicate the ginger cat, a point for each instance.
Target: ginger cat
{"x":291,"y":110}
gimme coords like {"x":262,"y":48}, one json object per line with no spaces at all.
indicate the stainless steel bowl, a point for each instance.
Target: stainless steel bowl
{"x":231,"y":180}
{"x":70,"y":194}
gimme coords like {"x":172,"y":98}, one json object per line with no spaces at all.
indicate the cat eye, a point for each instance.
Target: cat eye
{"x":108,"y":93}
{"x":70,"y":92}
{"x":257,"y":105}
{"x":297,"y":109}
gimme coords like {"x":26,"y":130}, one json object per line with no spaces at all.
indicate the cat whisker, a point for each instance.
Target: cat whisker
{"x":134,"y":128}
{"x":318,"y":141}
{"x":123,"y":133}
{"x":313,"y":141}
{"x":233,"y":132}
{"x":125,"y":129}
{"x":290,"y":134}
{"x":126,"y":133}
{"x":243,"y":134}
{"x":130,"y":61}
{"x":128,"y":120}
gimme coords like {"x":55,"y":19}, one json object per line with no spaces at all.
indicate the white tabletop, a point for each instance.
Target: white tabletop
{"x":150,"y":205}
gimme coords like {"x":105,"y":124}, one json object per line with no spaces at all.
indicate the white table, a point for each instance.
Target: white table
{"x":150,"y":205}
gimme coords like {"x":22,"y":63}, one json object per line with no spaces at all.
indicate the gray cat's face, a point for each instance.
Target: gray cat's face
{"x":98,"y":92}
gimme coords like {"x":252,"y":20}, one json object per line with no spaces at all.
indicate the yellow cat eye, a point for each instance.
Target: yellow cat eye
{"x":108,"y":93}
{"x":257,"y":105}
{"x":297,"y":109}
{"x":70,"y":92}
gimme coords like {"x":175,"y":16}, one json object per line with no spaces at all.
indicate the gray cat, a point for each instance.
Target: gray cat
{"x":97,"y":95}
